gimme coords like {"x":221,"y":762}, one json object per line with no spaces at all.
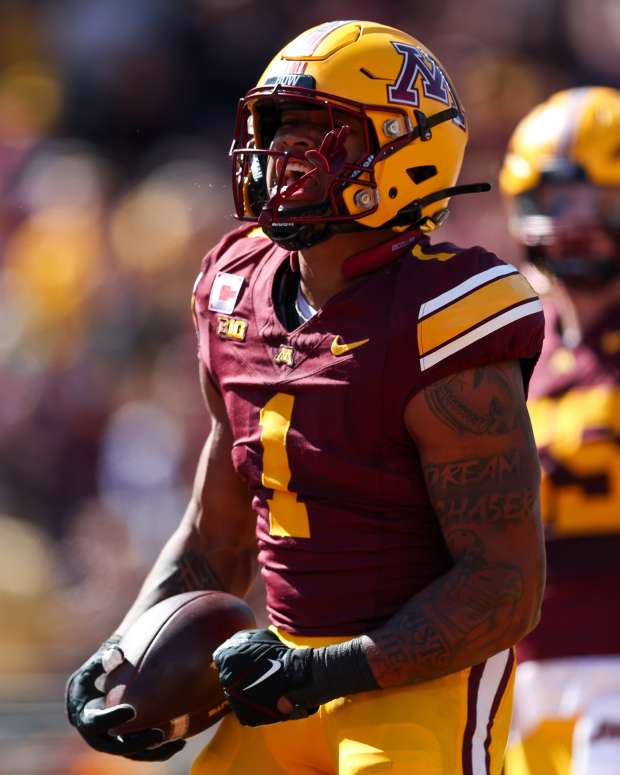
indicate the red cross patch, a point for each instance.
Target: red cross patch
{"x":225,"y":292}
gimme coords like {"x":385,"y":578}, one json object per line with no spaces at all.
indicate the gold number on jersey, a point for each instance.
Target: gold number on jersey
{"x":583,"y":495}
{"x":580,"y":490}
{"x":287,"y":517}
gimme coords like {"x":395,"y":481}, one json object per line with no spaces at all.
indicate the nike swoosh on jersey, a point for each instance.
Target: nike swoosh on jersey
{"x":275,"y":666}
{"x":341,"y":348}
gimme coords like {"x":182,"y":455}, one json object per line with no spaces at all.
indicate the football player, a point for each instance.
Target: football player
{"x":369,"y":433}
{"x":561,"y":179}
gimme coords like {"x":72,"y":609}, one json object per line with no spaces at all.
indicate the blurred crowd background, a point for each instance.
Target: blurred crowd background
{"x":115,"y":123}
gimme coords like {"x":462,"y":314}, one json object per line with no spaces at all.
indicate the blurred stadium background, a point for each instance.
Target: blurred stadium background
{"x":115,"y":123}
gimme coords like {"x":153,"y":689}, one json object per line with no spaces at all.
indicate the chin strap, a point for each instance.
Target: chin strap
{"x":304,"y":235}
{"x":297,"y":236}
{"x":412,"y":213}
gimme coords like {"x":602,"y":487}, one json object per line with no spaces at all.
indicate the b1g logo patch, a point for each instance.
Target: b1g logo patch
{"x":419,"y":64}
{"x":225,"y":292}
{"x":231,"y":328}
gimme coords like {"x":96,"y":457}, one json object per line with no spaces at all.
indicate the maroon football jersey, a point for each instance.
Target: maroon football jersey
{"x":575,"y":410}
{"x":346,"y":533}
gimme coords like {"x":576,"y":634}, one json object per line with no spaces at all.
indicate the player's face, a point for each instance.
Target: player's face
{"x":581,"y":214}
{"x":574,"y":229}
{"x":302,"y":130}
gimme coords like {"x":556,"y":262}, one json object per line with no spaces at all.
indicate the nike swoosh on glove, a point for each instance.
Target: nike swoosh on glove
{"x":256,"y":669}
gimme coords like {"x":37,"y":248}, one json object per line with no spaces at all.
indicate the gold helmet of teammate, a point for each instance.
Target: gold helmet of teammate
{"x":561,"y":181}
{"x":410,"y":125}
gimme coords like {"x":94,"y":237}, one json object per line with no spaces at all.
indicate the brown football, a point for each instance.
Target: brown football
{"x":167,"y":673}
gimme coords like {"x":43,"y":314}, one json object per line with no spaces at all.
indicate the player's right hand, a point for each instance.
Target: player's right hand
{"x":85,"y":702}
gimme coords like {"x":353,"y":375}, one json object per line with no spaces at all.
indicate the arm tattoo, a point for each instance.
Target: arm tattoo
{"x":191,"y":572}
{"x":469,"y":607}
{"x":450,"y":401}
{"x":486,"y":507}
{"x":187,"y":572}
{"x":496,"y":490}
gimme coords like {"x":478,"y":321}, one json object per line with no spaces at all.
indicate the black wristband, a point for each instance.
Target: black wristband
{"x":335,"y":671}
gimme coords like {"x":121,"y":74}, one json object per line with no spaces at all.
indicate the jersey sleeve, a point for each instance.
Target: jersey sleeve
{"x":478,"y":311}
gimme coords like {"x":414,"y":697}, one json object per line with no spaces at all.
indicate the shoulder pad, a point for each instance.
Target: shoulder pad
{"x":474,"y":309}
{"x":242,"y":243}
{"x":233,"y":258}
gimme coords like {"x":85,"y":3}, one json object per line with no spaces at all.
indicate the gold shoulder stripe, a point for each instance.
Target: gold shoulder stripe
{"x":466,"y":312}
{"x":421,"y":255}
{"x":479,"y":332}
{"x":257,"y":233}
{"x":463,"y":288}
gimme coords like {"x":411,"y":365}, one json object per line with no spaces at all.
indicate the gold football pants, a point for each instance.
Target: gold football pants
{"x":456,"y":725}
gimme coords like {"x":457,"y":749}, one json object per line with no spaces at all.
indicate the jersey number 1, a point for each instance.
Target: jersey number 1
{"x":287,"y":517}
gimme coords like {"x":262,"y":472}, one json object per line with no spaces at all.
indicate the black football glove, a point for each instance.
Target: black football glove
{"x":85,"y":702}
{"x":256,"y":669}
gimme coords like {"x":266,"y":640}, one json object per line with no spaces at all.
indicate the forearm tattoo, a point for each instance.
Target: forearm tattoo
{"x":467,"y":610}
{"x":189,"y":573}
{"x":481,"y":502}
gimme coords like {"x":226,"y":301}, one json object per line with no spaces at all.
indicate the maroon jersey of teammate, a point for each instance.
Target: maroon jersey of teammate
{"x":575,"y":410}
{"x":346,"y":533}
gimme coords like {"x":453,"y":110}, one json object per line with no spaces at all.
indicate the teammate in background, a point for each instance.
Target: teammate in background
{"x":561,"y":178}
{"x":369,"y":431}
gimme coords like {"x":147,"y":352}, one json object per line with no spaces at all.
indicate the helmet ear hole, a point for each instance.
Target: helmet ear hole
{"x":422,"y":173}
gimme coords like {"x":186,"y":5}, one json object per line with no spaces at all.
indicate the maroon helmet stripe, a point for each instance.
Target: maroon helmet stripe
{"x":320,"y":33}
{"x":499,"y":694}
{"x":296,"y":67}
{"x":307,"y":44}
{"x":473,"y":684}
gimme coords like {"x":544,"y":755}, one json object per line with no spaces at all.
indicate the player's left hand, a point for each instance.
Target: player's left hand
{"x":258,"y":671}
{"x":85,"y":703}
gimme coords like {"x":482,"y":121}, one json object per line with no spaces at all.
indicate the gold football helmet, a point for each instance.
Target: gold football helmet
{"x":410,"y":122}
{"x":561,"y":181}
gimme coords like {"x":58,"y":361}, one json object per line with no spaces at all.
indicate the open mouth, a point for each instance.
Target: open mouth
{"x":295,"y":170}
{"x":288,"y":172}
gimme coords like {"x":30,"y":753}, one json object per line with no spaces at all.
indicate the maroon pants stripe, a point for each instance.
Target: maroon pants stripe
{"x":475,"y":677}
{"x":486,"y":687}
{"x":501,"y":690}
